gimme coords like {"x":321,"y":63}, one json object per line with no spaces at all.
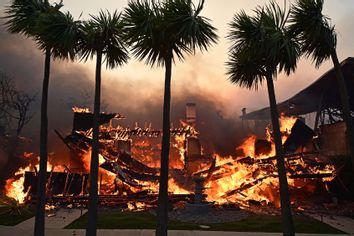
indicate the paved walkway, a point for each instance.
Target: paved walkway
{"x":63,"y":217}
{"x":6,"y":230}
{"x":59,"y":220}
{"x":344,"y":224}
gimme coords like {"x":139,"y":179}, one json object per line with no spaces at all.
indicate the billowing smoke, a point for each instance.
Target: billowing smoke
{"x":140,"y":100}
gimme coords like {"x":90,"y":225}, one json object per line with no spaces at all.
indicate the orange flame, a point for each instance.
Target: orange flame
{"x":232,"y":180}
{"x":239,"y":182}
{"x":80,"y":110}
{"x":14,"y":187}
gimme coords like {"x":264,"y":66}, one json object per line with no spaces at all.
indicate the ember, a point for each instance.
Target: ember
{"x":129,"y":161}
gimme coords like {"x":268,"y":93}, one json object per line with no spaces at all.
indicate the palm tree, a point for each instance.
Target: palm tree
{"x":160,"y":32}
{"x":55,"y":33}
{"x":100,"y":36}
{"x":262,"y":47}
{"x":318,"y":40}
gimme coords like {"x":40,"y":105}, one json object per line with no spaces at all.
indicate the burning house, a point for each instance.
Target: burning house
{"x":129,"y":166}
{"x":322,"y":100}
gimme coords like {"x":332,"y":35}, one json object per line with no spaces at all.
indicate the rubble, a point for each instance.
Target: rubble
{"x":129,"y":171}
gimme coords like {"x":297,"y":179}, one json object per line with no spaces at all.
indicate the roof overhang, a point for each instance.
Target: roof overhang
{"x":321,"y":94}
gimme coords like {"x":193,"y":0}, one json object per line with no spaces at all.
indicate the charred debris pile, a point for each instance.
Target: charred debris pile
{"x":129,"y":168}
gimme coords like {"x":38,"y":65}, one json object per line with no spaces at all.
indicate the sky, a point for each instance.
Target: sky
{"x":136,"y":89}
{"x":207,"y":72}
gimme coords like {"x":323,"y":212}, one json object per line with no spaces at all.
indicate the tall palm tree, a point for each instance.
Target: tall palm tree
{"x":318,"y":40}
{"x":160,"y":32}
{"x":55,"y":34}
{"x":262,"y":47}
{"x":100,"y":36}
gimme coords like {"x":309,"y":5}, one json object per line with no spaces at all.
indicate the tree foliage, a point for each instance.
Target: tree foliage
{"x":14,"y":104}
{"x":313,"y":30}
{"x":261,"y":45}
{"x":155,"y":27}
{"x":104,"y":33}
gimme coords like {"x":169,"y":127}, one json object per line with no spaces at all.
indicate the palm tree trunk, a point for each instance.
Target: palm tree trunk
{"x":345,"y":104}
{"x":93,"y":198}
{"x":287,"y":220}
{"x":39,"y":222}
{"x":162,"y":211}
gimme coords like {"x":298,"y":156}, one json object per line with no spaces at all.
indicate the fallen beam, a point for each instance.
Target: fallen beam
{"x":247,"y":186}
{"x":311,"y":176}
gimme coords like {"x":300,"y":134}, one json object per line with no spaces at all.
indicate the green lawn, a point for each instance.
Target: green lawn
{"x":109,"y":219}
{"x":264,"y":223}
{"x":126,"y":220}
{"x":10,"y":218}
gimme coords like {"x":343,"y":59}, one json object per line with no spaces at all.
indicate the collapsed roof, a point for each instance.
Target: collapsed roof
{"x":321,"y":94}
{"x":83,"y":121}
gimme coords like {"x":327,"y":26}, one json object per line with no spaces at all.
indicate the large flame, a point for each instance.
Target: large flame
{"x":14,"y":187}
{"x":240,"y":181}
{"x":235,"y":179}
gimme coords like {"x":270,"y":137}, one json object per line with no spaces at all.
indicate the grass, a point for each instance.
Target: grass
{"x":126,"y":220}
{"x":11,"y":217}
{"x":109,"y":219}
{"x":265,"y":223}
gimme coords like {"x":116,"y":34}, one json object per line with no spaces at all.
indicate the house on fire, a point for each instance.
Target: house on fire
{"x":322,"y":98}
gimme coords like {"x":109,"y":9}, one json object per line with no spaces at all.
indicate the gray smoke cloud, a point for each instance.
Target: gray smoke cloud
{"x":71,"y":83}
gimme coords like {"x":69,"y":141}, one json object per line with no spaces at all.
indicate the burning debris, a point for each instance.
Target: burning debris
{"x":129,"y":166}
{"x":254,"y":177}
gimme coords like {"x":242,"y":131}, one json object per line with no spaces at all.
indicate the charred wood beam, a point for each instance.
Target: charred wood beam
{"x":251,"y":161}
{"x":66,"y":184}
{"x":311,"y":176}
{"x":131,"y":165}
{"x":127,"y":175}
{"x":62,"y":139}
{"x":125,"y":160}
{"x":210,"y":171}
{"x":213,"y":169}
{"x":135,"y":164}
{"x":141,"y":176}
{"x":70,"y":183}
{"x":289,"y":156}
{"x":247,"y":186}
{"x":148,"y":132}
{"x":319,"y":111}
{"x":227,"y":173}
{"x":67,"y":168}
{"x":247,"y":160}
{"x":76,"y":142}
{"x":56,"y":182}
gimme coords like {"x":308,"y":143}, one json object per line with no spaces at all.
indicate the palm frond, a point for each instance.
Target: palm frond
{"x":244,"y":71}
{"x":46,"y":24}
{"x":261,"y":45}
{"x":144,"y":31}
{"x":103,"y":33}
{"x":22,"y":15}
{"x":283,"y":51}
{"x":184,"y":20}
{"x":60,"y":32}
{"x":314,"y":31}
{"x":156,"y":28}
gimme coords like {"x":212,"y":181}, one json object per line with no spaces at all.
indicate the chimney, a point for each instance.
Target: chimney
{"x":243,"y":111}
{"x":191,"y":114}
